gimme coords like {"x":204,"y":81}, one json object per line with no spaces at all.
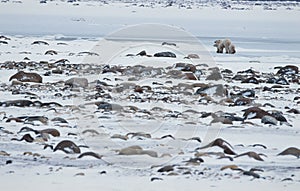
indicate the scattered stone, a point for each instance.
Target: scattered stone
{"x":223,"y":120}
{"x":139,"y":134}
{"x":93,"y":132}
{"x":193,"y":56}
{"x":190,"y":76}
{"x":232,"y":167}
{"x":287,"y":70}
{"x":259,"y":145}
{"x":253,"y":155}
{"x":168,"y":43}
{"x":97,"y":156}
{"x":59,"y":119}
{"x":50,"y":131}
{"x":9,"y":162}
{"x":215,"y":75}
{"x":165,"y":54}
{"x":155,"y":178}
{"x":167,"y":168}
{"x":87,"y":54}
{"x":77,"y":82}
{"x":269,"y":120}
{"x":251,"y":173}
{"x":118,"y":136}
{"x":39,"y":42}
{"x":294,"y":111}
{"x":142,"y":53}
{"x":50,"y":52}
{"x":68,"y":147}
{"x":137,"y":150}
{"x":287,"y":179}
{"x":27,"y":77}
{"x":251,"y":80}
{"x":3,"y":42}
{"x":254,"y":112}
{"x":291,"y":151}
{"x":3,"y":153}
{"x":194,"y":161}
{"x":26,"y":137}
{"x":217,"y":90}
{"x":220,"y":143}
{"x":80,"y":174}
{"x":242,"y":101}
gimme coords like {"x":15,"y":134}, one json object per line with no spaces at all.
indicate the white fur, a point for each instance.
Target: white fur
{"x":226,"y":43}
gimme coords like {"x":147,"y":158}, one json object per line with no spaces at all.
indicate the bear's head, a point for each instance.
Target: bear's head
{"x":217,"y":43}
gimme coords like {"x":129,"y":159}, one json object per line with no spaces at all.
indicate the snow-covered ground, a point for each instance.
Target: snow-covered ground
{"x":147,"y":97}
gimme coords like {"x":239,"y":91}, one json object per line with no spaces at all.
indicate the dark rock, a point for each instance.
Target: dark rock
{"x":68,"y":147}
{"x":38,"y":42}
{"x":282,"y":81}
{"x":294,"y":111}
{"x":185,"y":67}
{"x":271,"y":80}
{"x":8,"y":162}
{"x":218,"y":90}
{"x":252,"y":80}
{"x":269,"y":120}
{"x":26,"y":137}
{"x":155,"y":178}
{"x":3,"y":42}
{"x":191,"y":76}
{"x":221,"y":120}
{"x":50,"y":52}
{"x":215,"y":75}
{"x":90,"y":154}
{"x":279,"y":116}
{"x":88,"y":54}
{"x":247,"y":93}
{"x":142,"y":53}
{"x":193,"y":56}
{"x":254,"y":113}
{"x":109,"y":106}
{"x":165,"y":54}
{"x":57,"y":71}
{"x":248,"y":71}
{"x":287,"y":70}
{"x":77,"y":82}
{"x":167,"y":168}
{"x":227,"y":71}
{"x":251,"y":173}
{"x":27,"y":77}
{"x":168,"y":43}
{"x":242,"y":101}
{"x":17,"y":103}
{"x":291,"y":151}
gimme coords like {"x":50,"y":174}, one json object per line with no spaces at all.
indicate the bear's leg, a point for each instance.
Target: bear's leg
{"x":221,"y":48}
{"x":227,"y":50}
{"x":232,"y":49}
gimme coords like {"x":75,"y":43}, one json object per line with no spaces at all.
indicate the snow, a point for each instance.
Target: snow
{"x":264,"y":39}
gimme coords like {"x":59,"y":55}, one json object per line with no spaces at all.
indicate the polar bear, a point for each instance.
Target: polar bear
{"x":221,"y":44}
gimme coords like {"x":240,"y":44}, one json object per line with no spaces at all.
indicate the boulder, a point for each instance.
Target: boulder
{"x":77,"y":82}
{"x":165,"y":54}
{"x":27,"y":77}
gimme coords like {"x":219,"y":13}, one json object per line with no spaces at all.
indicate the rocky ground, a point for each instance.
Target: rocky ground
{"x":181,"y":116}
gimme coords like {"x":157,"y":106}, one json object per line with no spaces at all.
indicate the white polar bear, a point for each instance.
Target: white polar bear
{"x":221,"y":44}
